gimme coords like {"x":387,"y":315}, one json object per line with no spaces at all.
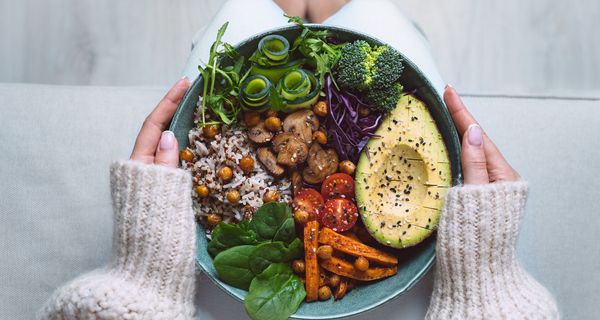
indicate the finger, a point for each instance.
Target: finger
{"x":460,"y":115}
{"x":157,"y":122}
{"x":473,"y":159}
{"x":463,"y":119}
{"x":167,"y":151}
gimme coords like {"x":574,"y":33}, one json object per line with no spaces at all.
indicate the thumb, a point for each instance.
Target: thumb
{"x":473,"y":156}
{"x":167,"y":151}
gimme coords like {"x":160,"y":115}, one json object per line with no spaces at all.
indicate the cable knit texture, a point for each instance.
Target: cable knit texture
{"x":477,"y":274}
{"x":151,"y":275}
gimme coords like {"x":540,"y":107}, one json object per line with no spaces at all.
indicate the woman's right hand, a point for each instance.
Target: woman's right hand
{"x":481,"y":160}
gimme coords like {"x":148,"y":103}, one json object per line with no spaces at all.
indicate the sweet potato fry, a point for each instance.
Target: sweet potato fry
{"x":346,"y":269}
{"x":340,"y":292}
{"x":355,"y":248}
{"x":351,"y":235}
{"x":311,"y":233}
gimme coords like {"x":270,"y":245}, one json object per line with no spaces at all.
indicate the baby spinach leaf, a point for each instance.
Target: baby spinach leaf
{"x":226,"y":235}
{"x":232,"y":266}
{"x":273,"y":252}
{"x":273,"y":221}
{"x":275,"y":294}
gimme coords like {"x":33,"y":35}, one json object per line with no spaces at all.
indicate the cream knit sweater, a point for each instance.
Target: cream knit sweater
{"x":151,"y":275}
{"x":477,"y":274}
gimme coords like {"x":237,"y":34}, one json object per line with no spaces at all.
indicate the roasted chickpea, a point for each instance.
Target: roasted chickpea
{"x":186,"y":154}
{"x":271,"y":196}
{"x":320,"y":108}
{"x":233,"y":196}
{"x":363,"y":111}
{"x":301,"y":216}
{"x":361,"y":263}
{"x":247,"y":164}
{"x":324,"y":293}
{"x":347,"y":167}
{"x":225,"y":173}
{"x":334,"y":280}
{"x":211,"y":130}
{"x":325,"y":252}
{"x":213,"y":219}
{"x":273,"y":124}
{"x":320,"y":137}
{"x":251,"y":118}
{"x":202,"y":191}
{"x":298,"y":266}
{"x":270,"y":113}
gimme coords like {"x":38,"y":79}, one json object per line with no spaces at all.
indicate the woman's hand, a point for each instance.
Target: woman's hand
{"x":154,"y":145}
{"x":481,"y":160}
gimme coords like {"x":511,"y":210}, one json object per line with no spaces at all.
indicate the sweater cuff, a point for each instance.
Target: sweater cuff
{"x":154,"y":228}
{"x":477,"y":273}
{"x":481,"y":222}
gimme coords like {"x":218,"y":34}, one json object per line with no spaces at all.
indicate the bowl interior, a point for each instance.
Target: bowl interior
{"x":414,"y":262}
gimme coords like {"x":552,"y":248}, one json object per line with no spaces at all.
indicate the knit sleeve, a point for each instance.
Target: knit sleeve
{"x":477,"y":273}
{"x":151,"y":274}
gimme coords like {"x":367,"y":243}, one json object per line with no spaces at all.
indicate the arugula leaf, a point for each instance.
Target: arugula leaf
{"x":226,"y":235}
{"x":221,"y":83}
{"x":274,"y":252}
{"x":273,"y":221}
{"x":274,"y":294}
{"x":294,"y":19}
{"x":233,"y":267}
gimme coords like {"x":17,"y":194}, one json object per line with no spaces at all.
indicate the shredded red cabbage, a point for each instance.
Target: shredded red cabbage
{"x":348,"y":131}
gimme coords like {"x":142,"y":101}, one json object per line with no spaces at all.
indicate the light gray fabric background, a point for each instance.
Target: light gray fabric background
{"x":55,"y":219}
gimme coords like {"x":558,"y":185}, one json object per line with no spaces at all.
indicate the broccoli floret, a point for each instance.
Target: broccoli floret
{"x":354,"y":71}
{"x":362,"y":68}
{"x":384,"y":99}
{"x":387,"y":68}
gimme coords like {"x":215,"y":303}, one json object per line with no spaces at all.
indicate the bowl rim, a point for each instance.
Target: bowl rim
{"x":456,"y":180}
{"x":391,"y":296}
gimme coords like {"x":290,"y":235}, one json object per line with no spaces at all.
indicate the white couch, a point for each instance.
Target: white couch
{"x":55,"y":219}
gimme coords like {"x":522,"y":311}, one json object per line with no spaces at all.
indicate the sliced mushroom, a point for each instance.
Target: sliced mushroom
{"x":296,"y":181}
{"x":259,"y":134}
{"x":321,"y":163}
{"x":302,"y":123}
{"x":290,"y":149}
{"x":269,"y":161}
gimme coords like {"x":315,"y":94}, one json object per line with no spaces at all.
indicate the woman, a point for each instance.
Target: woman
{"x":152,"y":273}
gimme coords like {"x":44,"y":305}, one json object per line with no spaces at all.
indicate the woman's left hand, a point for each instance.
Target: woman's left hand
{"x":154,"y":145}
{"x":481,"y":160}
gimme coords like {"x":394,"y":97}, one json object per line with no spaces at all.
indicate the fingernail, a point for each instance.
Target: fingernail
{"x":448,"y":86}
{"x":475,"y":135}
{"x":183,"y":79}
{"x":167,"y":140}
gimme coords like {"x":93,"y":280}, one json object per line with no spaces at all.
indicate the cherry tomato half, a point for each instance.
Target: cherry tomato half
{"x":338,"y":185}
{"x":309,"y":200}
{"x":339,"y":214}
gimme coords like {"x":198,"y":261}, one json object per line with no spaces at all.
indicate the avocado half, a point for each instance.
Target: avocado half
{"x":402,"y":176}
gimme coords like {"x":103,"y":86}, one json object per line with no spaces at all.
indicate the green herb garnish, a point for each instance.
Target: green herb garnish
{"x":314,"y":45}
{"x":221,"y":82}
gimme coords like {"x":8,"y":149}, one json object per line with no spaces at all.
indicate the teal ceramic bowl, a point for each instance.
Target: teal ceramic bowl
{"x":414,"y":262}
